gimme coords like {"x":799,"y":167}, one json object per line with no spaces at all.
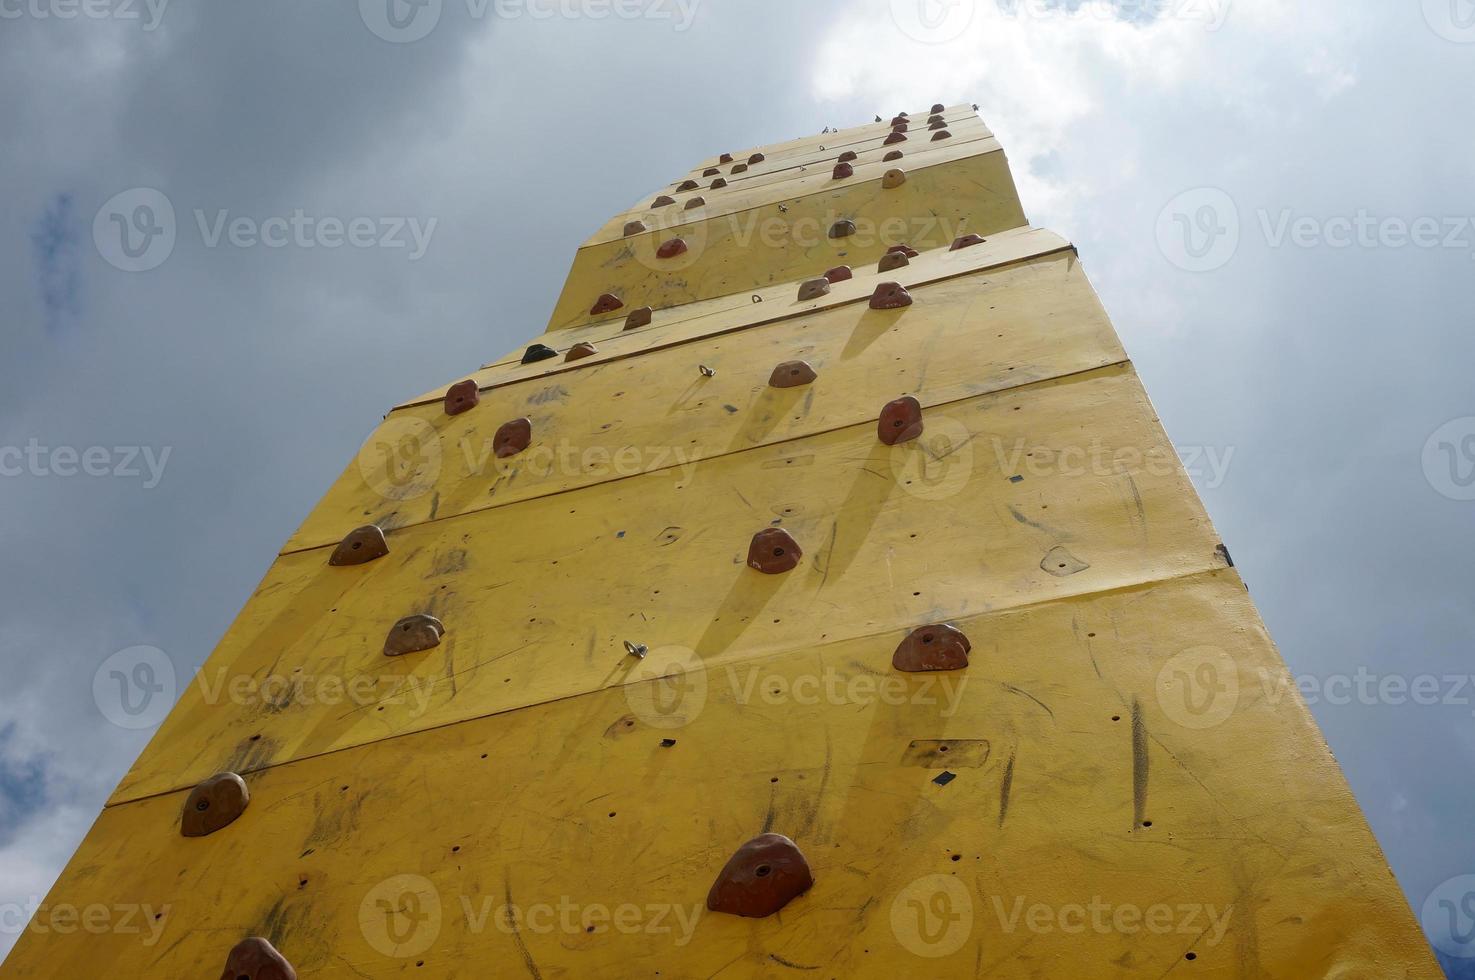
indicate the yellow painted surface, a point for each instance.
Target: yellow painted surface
{"x":788,"y":241}
{"x":740,"y":310}
{"x":537,"y":598}
{"x":734,"y":199}
{"x":959,"y":338}
{"x":491,"y":848}
{"x":838,"y":138}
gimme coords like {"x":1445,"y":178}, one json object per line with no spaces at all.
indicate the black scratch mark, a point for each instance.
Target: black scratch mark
{"x":1005,"y":787}
{"x":1139,"y":765}
{"x":527,"y":958}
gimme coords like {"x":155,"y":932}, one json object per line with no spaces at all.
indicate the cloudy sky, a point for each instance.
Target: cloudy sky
{"x":1273,"y":198}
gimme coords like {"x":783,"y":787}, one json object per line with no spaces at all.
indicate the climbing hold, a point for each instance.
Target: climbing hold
{"x":848,"y":156}
{"x":941,"y":134}
{"x":739,"y":168}
{"x":696,"y":202}
{"x":939,"y":107}
{"x":606,"y":303}
{"x":904,"y":249}
{"x":791,"y":374}
{"x":462,"y":397}
{"x":256,"y":959}
{"x":894,"y":138}
{"x":843,"y":170}
{"x":899,"y":119}
{"x":766,"y":873}
{"x":636,"y":649}
{"x":213,"y":804}
{"x":360,"y":546}
{"x":757,"y":158}
{"x":687,"y":185}
{"x":892,"y":260}
{"x":839,"y":273}
{"x":538,"y":352}
{"x":634,"y":228}
{"x":935,"y":117}
{"x":936,"y":647}
{"x":671,"y":249}
{"x":937,"y":124}
{"x":663,"y":201}
{"x":638,"y":317}
{"x":900,"y":127}
{"x":893,"y":179}
{"x":890,"y":296}
{"x":710,"y":171}
{"x":893,"y":155}
{"x":512,"y":438}
{"x":725,"y":158}
{"x":813,"y":289}
{"x":705,"y":371}
{"x":413,"y":634}
{"x":843,"y":228}
{"x":966,"y":241}
{"x":900,"y":421}
{"x":774,"y":550}
{"x":580,"y":351}
{"x":719,"y":183}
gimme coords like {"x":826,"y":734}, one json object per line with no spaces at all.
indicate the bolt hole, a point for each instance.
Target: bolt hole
{"x":1190,"y":956}
{"x":763,"y":871}
{"x":926,"y":637}
{"x":1147,"y":823}
{"x":1116,"y":717}
{"x":942,"y":748}
{"x":612,"y":813}
{"x":357,"y":545}
{"x":202,"y":805}
{"x":957,"y":857}
{"x":456,"y":849}
{"x":778,"y":552}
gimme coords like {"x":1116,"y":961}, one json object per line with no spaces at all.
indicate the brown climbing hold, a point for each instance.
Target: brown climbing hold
{"x":893,"y":179}
{"x":606,"y":303}
{"x":719,"y":183}
{"x":939,"y":124}
{"x":580,"y":351}
{"x":813,"y":289}
{"x":892,"y":260}
{"x":839,"y":273}
{"x":766,"y":873}
{"x":412,"y":635}
{"x":900,"y":127}
{"x":696,"y":202}
{"x":634,"y":228}
{"x":739,"y":168}
{"x":901,"y":421}
{"x":757,"y":158}
{"x":213,"y":804}
{"x":843,"y":170}
{"x":935,"y":117}
{"x":360,"y":546}
{"x":935,"y":647}
{"x":774,"y":550}
{"x":899,"y":119}
{"x":512,"y":438}
{"x":966,"y":241}
{"x":894,"y":138}
{"x":256,"y":959}
{"x":711,"y":172}
{"x":893,"y":155}
{"x":939,"y":107}
{"x":663,"y":201}
{"x":791,"y":374}
{"x":672,"y":248}
{"x":848,"y":156}
{"x":941,"y":134}
{"x":687,"y":185}
{"x":890,"y":296}
{"x":638,"y":317}
{"x":904,"y":249}
{"x":462,"y":397}
{"x":725,"y":158}
{"x":843,"y":228}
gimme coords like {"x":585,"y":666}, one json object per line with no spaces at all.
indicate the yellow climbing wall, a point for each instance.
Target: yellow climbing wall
{"x":1121,"y":782}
